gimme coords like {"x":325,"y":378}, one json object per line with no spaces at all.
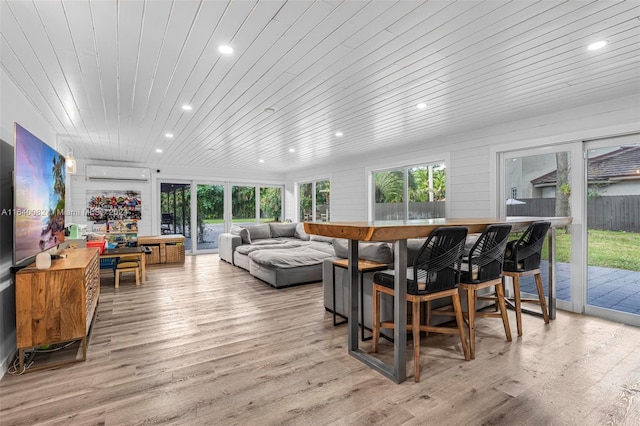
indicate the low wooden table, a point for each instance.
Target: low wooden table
{"x":139,"y":252}
{"x":399,"y":232}
{"x":363,"y":267}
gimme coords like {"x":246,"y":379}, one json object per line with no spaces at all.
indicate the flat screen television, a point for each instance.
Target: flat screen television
{"x":39,"y":194}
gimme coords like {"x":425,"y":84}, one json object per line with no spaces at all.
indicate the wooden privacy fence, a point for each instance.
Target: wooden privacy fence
{"x":395,"y":211}
{"x":613,"y":213}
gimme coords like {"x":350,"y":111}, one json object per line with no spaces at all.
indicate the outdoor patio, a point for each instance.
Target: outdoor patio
{"x":609,"y":288}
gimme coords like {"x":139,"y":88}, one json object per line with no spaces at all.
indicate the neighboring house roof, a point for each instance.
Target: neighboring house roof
{"x":623,"y":163}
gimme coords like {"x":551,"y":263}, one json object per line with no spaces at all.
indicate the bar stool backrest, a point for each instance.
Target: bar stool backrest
{"x":437,"y":265}
{"x":486,"y":257}
{"x":525,"y":253}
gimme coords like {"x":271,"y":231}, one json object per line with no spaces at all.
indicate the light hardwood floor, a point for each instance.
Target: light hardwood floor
{"x":208,"y":344}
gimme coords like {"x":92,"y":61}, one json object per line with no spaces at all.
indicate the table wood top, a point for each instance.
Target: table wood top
{"x":403,"y":229}
{"x":121,"y":251}
{"x":364,"y":265}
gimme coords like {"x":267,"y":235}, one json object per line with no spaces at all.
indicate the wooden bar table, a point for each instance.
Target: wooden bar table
{"x":399,"y":232}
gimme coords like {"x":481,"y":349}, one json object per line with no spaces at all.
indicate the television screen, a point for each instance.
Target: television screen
{"x":39,"y":191}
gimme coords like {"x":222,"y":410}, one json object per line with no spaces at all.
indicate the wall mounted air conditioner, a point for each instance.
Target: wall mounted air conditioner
{"x":136,"y":174}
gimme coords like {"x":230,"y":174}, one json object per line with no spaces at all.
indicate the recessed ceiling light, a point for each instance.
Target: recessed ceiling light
{"x":598,"y":45}
{"x":292,"y":150}
{"x":269,"y":110}
{"x":225,"y":50}
{"x":168,"y":135}
{"x":338,"y":134}
{"x":421,"y":105}
{"x":187,"y":107}
{"x":261,"y":160}
{"x":159,"y":151}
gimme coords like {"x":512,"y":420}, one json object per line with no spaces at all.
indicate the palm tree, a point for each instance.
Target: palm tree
{"x":389,"y":187}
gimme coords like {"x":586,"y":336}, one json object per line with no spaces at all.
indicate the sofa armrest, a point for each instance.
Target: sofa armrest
{"x":227,"y":244}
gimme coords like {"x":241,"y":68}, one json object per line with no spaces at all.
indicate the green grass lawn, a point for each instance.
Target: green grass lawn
{"x":610,"y":249}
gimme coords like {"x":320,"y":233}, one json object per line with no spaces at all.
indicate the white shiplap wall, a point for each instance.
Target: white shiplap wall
{"x":150,"y":223}
{"x":471,"y":187}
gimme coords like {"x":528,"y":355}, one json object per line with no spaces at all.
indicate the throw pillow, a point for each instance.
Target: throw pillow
{"x":300,"y":232}
{"x":242,"y":232}
{"x":320,"y":238}
{"x":283,"y":230}
{"x":375,"y":252}
{"x":258,"y":232}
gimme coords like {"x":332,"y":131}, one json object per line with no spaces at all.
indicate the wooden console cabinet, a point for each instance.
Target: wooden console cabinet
{"x":58,"y":304}
{"x":164,"y":248}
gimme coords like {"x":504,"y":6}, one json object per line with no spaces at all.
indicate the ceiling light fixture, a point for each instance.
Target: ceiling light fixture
{"x":339,"y":134}
{"x":187,"y":107}
{"x":261,"y":160}
{"x":225,"y":49}
{"x":598,"y":45}
{"x":168,"y":135}
{"x":159,"y":151}
{"x":292,"y":150}
{"x":421,"y":105}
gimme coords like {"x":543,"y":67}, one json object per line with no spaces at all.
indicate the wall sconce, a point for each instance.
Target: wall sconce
{"x":71,"y":164}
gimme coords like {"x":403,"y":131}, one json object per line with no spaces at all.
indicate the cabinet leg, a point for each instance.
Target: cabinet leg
{"x":84,"y":348}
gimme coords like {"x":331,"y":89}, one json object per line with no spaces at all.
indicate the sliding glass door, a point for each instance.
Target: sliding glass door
{"x":542,"y":182}
{"x":244,"y":210}
{"x":175,"y":209}
{"x":209,"y":215}
{"x":213,"y":207}
{"x":613,"y":228}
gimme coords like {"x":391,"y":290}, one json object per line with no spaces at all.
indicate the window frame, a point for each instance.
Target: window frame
{"x":404,"y":166}
{"x":313,"y":183}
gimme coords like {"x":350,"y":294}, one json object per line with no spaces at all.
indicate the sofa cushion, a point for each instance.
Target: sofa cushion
{"x":300,"y":232}
{"x":283,"y":230}
{"x":321,"y":238}
{"x":274,"y":244}
{"x":242,"y":232}
{"x":258,"y":232}
{"x":288,"y":258}
{"x":375,"y":252}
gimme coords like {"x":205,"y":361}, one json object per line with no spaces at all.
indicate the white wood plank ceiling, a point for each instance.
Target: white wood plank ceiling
{"x":111,"y":76}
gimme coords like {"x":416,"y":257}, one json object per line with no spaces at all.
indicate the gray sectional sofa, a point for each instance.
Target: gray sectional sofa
{"x":281,"y":254}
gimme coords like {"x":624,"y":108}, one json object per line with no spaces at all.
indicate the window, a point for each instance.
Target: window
{"x":411,"y":192}
{"x":314,"y":200}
